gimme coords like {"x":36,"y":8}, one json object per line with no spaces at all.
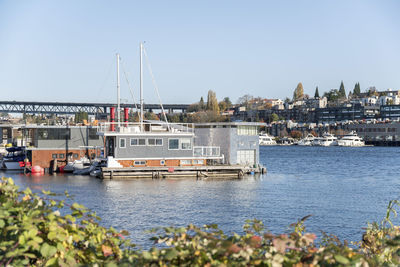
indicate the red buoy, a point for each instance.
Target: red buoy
{"x":37,"y":169}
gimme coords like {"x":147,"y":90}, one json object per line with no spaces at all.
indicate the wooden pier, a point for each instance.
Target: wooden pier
{"x":198,"y":172}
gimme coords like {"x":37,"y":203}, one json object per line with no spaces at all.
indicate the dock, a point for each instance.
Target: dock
{"x":198,"y":172}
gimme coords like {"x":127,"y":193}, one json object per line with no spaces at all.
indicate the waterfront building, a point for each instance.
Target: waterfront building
{"x":391,"y":112}
{"x":378,"y":133}
{"x":238,"y":141}
{"x":47,"y":144}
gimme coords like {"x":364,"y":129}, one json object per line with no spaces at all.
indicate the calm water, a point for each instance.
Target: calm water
{"x":343,"y":188}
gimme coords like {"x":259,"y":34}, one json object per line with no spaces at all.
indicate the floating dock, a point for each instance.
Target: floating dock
{"x":198,"y":172}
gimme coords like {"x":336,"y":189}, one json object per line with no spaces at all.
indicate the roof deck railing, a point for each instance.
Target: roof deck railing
{"x":146,"y":127}
{"x":206,"y":151}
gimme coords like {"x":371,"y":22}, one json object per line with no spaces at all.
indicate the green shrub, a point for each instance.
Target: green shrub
{"x":34,"y":232}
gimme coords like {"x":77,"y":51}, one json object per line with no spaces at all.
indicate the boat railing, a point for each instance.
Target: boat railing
{"x":206,"y":151}
{"x":136,"y":127}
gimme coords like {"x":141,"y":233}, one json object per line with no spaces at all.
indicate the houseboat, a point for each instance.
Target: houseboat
{"x":52,"y":147}
{"x":156,"y":149}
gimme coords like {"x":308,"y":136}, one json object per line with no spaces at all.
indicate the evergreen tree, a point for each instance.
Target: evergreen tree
{"x":357,"y":90}
{"x":342,"y":91}
{"x":298,"y":92}
{"x":316,"y":95}
{"x":201,"y":104}
{"x":228,"y":102}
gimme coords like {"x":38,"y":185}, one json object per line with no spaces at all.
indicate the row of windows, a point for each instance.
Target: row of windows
{"x":173,"y":143}
{"x":247,"y":130}
{"x":376,"y":130}
{"x":75,"y":155}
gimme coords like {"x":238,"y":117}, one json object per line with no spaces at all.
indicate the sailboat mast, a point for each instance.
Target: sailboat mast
{"x":141,"y":86}
{"x":118,"y":93}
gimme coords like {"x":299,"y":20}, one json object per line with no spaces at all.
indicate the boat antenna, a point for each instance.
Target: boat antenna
{"x":156,"y":87}
{"x":141,"y":87}
{"x":118,"y":92}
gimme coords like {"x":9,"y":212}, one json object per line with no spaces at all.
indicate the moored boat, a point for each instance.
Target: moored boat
{"x":14,"y":159}
{"x":351,"y":139}
{"x":306,"y":141}
{"x":266,"y":140}
{"x":328,"y":139}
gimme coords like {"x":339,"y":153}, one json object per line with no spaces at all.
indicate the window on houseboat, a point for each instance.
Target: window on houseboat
{"x":60,"y":156}
{"x":186,"y":143}
{"x":122,"y":143}
{"x":197,"y":151}
{"x":54,"y":156}
{"x":247,"y":130}
{"x":75,"y":155}
{"x":173,"y":143}
{"x":186,"y":162}
{"x":154,"y":142}
{"x":139,"y":162}
{"x":198,"y":162}
{"x":142,"y":142}
{"x":134,"y":141}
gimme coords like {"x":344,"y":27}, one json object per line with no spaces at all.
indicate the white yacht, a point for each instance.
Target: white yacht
{"x":266,"y":140}
{"x":328,"y":139}
{"x":316,"y":141}
{"x":306,"y":141}
{"x":351,"y":139}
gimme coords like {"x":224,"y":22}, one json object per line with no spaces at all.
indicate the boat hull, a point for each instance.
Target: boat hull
{"x":13,"y":165}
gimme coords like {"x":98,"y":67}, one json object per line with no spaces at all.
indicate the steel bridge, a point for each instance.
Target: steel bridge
{"x":98,"y":109}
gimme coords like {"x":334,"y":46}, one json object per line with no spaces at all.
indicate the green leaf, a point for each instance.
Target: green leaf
{"x":341,"y":259}
{"x":52,"y":235}
{"x":52,"y":261}
{"x":171,"y":254}
{"x":147,"y":256}
{"x":2,"y":223}
{"x":47,"y":251}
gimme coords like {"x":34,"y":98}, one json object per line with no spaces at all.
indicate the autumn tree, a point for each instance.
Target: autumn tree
{"x":298,"y":92}
{"x":212,"y":102}
{"x":245,"y":100}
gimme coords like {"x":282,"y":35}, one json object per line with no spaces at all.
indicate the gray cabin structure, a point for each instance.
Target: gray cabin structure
{"x":238,"y":141}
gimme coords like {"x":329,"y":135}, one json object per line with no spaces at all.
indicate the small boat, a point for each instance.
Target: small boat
{"x":266,"y":140}
{"x":328,"y":139}
{"x":351,"y":139}
{"x":14,"y":159}
{"x":306,"y":141}
{"x":77,"y":165}
{"x":286,"y":141}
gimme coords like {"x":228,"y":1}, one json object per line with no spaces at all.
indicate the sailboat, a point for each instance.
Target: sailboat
{"x":150,"y":143}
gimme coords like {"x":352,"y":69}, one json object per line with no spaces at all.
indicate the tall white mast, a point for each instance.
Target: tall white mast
{"x":118,"y":93}
{"x":141,"y":87}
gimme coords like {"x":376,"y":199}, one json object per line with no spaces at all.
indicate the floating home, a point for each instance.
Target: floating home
{"x":156,"y":149}
{"x":48,"y":144}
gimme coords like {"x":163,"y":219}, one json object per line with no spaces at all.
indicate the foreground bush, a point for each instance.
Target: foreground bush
{"x":40,"y":230}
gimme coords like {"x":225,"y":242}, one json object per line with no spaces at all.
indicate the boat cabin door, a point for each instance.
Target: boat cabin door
{"x":110,"y":146}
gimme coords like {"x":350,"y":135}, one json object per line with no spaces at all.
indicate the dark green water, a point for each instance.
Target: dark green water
{"x":343,"y":188}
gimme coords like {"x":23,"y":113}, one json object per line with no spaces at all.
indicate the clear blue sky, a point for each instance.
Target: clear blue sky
{"x":65,"y":50}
